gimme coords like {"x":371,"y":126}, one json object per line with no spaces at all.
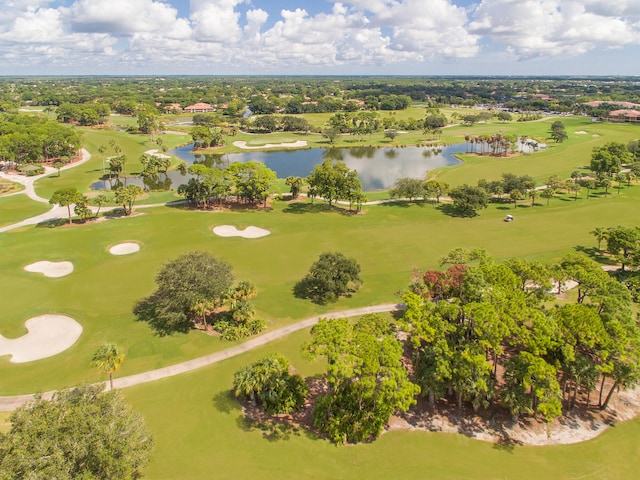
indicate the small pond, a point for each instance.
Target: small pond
{"x":378,"y":168}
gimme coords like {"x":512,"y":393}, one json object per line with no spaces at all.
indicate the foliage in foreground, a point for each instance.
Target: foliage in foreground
{"x":367,"y":382}
{"x":268,"y":384}
{"x":81,"y":433}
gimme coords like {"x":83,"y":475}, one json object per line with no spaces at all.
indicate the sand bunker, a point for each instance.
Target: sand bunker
{"x":124,"y":248}
{"x":155,"y":153}
{"x":48,"y":335}
{"x":231,"y":231}
{"x":51,"y":269}
{"x":243,"y":145}
{"x":580,"y":132}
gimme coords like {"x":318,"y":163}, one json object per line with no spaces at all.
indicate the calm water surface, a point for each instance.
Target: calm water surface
{"x":378,"y":168}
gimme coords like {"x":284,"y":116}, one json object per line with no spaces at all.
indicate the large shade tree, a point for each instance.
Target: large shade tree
{"x":80,"y":433}
{"x":181,"y":285}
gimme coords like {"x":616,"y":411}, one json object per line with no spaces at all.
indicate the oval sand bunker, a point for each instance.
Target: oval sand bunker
{"x":51,"y":269}
{"x":124,"y":248}
{"x":231,"y":231}
{"x":48,"y":335}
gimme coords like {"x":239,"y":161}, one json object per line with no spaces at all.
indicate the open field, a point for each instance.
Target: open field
{"x":198,"y":428}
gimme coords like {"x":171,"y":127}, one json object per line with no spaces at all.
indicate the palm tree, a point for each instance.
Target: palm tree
{"x":533,"y":194}
{"x":601,"y":234}
{"x":108,"y":359}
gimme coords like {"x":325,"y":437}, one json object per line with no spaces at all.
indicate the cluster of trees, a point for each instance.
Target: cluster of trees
{"x":481,"y":330}
{"x":414,"y":188}
{"x":365,"y":382}
{"x":27,"y":139}
{"x":85,"y":114}
{"x":194,"y":289}
{"x":623,"y":244}
{"x":332,"y":276}
{"x":497,"y":144}
{"x":608,"y":159}
{"x":248,"y":181}
{"x":333,"y":181}
{"x":70,"y":196}
{"x":274,"y":123}
{"x":81,"y":433}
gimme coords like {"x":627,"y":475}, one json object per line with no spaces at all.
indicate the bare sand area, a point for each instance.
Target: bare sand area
{"x":231,"y":231}
{"x":47,"y":336}
{"x":156,"y":153}
{"x":50,"y":269}
{"x":124,"y":248}
{"x":580,"y":132}
{"x":244,"y":146}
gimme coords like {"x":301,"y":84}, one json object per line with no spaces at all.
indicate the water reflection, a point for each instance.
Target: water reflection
{"x":378,"y":168}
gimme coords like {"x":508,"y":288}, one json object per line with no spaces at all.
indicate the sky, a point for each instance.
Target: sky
{"x":320,"y":37}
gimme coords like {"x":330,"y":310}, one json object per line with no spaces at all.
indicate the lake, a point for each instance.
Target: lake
{"x":378,"y":168}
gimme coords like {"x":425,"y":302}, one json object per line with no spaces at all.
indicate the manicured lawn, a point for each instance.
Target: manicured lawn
{"x":18,"y":207}
{"x":200,"y":434}
{"x":388,"y":241}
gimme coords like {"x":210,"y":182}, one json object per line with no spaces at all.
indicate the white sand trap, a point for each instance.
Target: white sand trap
{"x":51,"y":269}
{"x":48,"y":335}
{"x":156,"y":153}
{"x":231,"y":231}
{"x":124,"y":248}
{"x":243,"y":145}
{"x":580,"y":132}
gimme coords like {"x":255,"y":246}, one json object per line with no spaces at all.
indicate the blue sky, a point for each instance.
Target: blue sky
{"x":320,"y":37}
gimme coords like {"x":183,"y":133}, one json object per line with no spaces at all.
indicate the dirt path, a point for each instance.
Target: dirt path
{"x":10,"y":403}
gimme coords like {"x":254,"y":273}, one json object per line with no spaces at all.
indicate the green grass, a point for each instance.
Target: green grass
{"x":18,"y":207}
{"x":388,"y":241}
{"x":199,"y":432}
{"x":198,"y":427}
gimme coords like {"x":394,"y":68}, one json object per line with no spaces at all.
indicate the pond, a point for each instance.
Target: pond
{"x":378,"y":168}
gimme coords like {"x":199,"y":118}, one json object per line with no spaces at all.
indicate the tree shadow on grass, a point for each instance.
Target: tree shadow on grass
{"x":225,"y":402}
{"x":593,"y":252}
{"x":451,"y":211}
{"x":301,"y":208}
{"x":53,"y":223}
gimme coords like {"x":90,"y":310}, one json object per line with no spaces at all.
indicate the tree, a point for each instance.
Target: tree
{"x":436,"y":188}
{"x":268,"y":384}
{"x":608,"y":158}
{"x":58,"y":164}
{"x":82,"y":210}
{"x":467,"y":199}
{"x":181,"y":284}
{"x":558,"y":132}
{"x":80,"y":433}
{"x":252,"y":180}
{"x":108,"y":359}
{"x":332,"y":180}
{"x":330,"y":277}
{"x":65,"y":197}
{"x":601,"y":233}
{"x":504,"y":116}
{"x":366,"y":379}
{"x":126,"y":196}
{"x":99,"y":201}
{"x":391,"y":134}
{"x":296,"y":184}
{"x":410,"y":188}
{"x":515,"y":195}
{"x":331,"y":134}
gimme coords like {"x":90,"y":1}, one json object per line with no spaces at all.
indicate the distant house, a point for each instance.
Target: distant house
{"x":625,"y":115}
{"x":199,"y":108}
{"x":173,"y":108}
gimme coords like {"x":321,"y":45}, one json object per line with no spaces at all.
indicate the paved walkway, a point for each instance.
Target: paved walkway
{"x":12,"y":402}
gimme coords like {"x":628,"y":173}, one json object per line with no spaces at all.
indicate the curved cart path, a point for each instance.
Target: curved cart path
{"x":12,"y":402}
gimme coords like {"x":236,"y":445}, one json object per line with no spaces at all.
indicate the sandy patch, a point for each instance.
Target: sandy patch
{"x":51,"y":269}
{"x":231,"y":231}
{"x":243,"y":145}
{"x":595,"y":135}
{"x":155,"y":153}
{"x":124,"y":248}
{"x":48,"y":335}
{"x":580,"y":132}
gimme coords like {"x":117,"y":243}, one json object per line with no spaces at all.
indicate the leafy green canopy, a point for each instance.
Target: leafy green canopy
{"x":365,"y":376}
{"x":269,"y":384}
{"x":330,"y":277}
{"x":182,"y":283}
{"x":81,"y":433}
